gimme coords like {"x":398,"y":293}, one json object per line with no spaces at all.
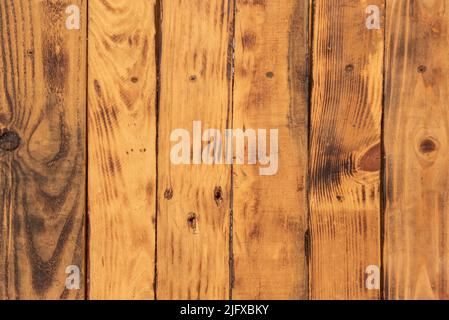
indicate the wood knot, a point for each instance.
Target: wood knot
{"x":9,"y":141}
{"x":427,"y":146}
{"x":168,"y":194}
{"x":134,"y":79}
{"x":370,"y":161}
{"x":269,"y":74}
{"x":218,"y":195}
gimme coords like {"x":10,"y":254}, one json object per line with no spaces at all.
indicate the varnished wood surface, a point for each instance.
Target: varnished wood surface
{"x":361,"y":184}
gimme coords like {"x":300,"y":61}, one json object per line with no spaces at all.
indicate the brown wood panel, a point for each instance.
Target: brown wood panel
{"x":193,"y":199}
{"x":122,"y":142}
{"x":270,"y":92}
{"x":42,"y":149}
{"x":345,"y":149}
{"x":416,"y":258}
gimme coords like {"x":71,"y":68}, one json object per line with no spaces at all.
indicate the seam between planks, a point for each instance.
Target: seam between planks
{"x":308,"y":236}
{"x":231,"y":67}
{"x":383,"y":163}
{"x":158,"y":16}
{"x":86,"y":217}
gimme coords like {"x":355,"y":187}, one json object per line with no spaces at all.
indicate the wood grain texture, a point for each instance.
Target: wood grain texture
{"x":193,"y":200}
{"x":157,"y":230}
{"x":122,"y":142}
{"x":271,"y":92}
{"x":345,"y":150}
{"x":416,"y":258}
{"x":42,"y":152}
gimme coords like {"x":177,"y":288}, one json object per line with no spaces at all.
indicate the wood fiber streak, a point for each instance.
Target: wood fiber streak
{"x":271,"y":92}
{"x":193,"y":222}
{"x":345,"y":149}
{"x":416,"y":257}
{"x":122,"y":142}
{"x":42,"y":149}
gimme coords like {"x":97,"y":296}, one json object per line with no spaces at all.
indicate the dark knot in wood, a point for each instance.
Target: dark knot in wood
{"x":9,"y":141}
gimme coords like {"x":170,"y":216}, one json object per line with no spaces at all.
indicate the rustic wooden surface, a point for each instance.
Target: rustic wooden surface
{"x":270,"y":91}
{"x":416,"y":261}
{"x":193,"y":200}
{"x":345,"y":150}
{"x":42,"y":149}
{"x":363,"y":149}
{"x":122,"y":140}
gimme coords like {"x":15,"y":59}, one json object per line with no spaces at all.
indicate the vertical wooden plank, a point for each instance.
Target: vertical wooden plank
{"x":193,"y":199}
{"x":122,"y":139}
{"x":271,"y":92}
{"x":345,"y":149}
{"x":42,"y":153}
{"x":416,"y":259}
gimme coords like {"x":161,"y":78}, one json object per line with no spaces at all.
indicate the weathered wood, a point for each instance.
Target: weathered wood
{"x":193,"y":199}
{"x":42,"y":149}
{"x":271,"y":92}
{"x":345,"y":149}
{"x":216,"y":231}
{"x":122,"y":143}
{"x":416,"y":257}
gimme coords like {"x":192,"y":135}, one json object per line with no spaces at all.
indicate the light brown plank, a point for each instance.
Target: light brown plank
{"x":345,"y":150}
{"x":193,"y":200}
{"x":42,"y":153}
{"x":271,"y":92}
{"x":122,"y":140}
{"x":416,"y":256}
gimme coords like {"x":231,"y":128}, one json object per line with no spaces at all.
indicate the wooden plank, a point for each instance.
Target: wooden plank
{"x":193,"y":199}
{"x":271,"y":92}
{"x":416,"y":259}
{"x":122,"y":142}
{"x":345,"y":150}
{"x":42,"y":153}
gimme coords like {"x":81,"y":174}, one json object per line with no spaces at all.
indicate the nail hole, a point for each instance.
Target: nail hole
{"x":349,"y":68}
{"x":422,"y":69}
{"x":269,"y":74}
{"x":192,"y":221}
{"x":191,"y":218}
{"x":9,"y":141}
{"x":192,"y":78}
{"x":218,"y":195}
